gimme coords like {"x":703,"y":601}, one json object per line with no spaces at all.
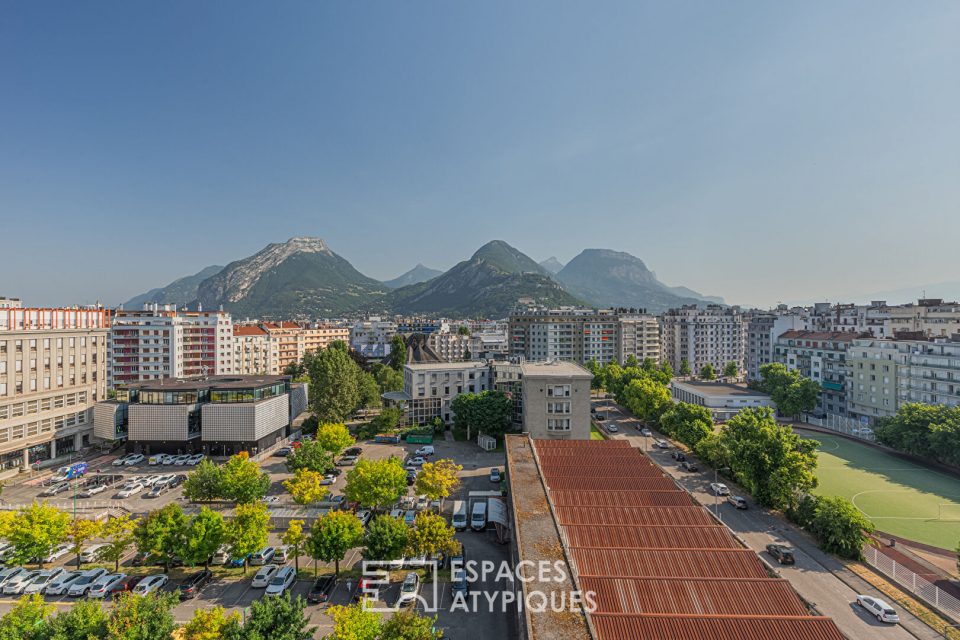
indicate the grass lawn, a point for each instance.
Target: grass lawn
{"x":900,"y":497}
{"x":596,"y":434}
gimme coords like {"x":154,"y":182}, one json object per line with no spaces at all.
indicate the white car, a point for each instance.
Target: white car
{"x":612,"y":428}
{"x":166,"y":458}
{"x":646,"y":432}
{"x":135,"y":458}
{"x":155,"y":459}
{"x":364,"y":515}
{"x":282,"y":555}
{"x":195,"y":459}
{"x":264,"y":576}
{"x":61,"y":584}
{"x":9,"y":574}
{"x":719,"y":489}
{"x":119,"y":462}
{"x":281,"y":581}
{"x":409,"y":589}
{"x":222,"y":555}
{"x":92,"y":553}
{"x":879,"y":608}
{"x":40,"y":581}
{"x":105,"y":584}
{"x":15,"y":585}
{"x":181,"y":460}
{"x":57,"y":552}
{"x":92,"y":491}
{"x":130,"y":490}
{"x":416,"y":461}
{"x":81,"y":585}
{"x":150,"y":584}
{"x":426,"y":450}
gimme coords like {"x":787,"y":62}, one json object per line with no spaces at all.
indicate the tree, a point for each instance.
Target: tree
{"x":333,"y":437}
{"x":488,"y":411}
{"x":247,"y":531}
{"x":79,"y":532}
{"x":7,"y":519}
{"x":161,"y":533}
{"x":931,"y":431}
{"x":707,"y":372}
{"x":205,"y":483}
{"x":369,"y":391}
{"x":398,"y":353}
{"x":86,"y":620}
{"x":212,"y":624}
{"x":840,"y":527}
{"x":119,"y":535}
{"x":278,"y":618}
{"x":334,"y":383}
{"x":305,"y":487}
{"x":243,"y":482}
{"x":666,"y":369}
{"x":792,"y":393}
{"x":688,"y":423}
{"x":631,"y":362}
{"x":26,"y":620}
{"x":310,"y":455}
{"x":463,"y":331}
{"x":388,"y":420}
{"x":386,"y":538}
{"x":135,"y":617}
{"x":409,"y":625}
{"x":685,"y":368}
{"x":388,"y":378}
{"x":646,"y":398}
{"x":205,"y":532}
{"x":354,"y":622}
{"x":596,"y":382}
{"x":35,"y":532}
{"x":430,"y":535}
{"x":731,"y":370}
{"x":333,"y":534}
{"x":296,"y":539}
{"x":376,"y":483}
{"x":437,"y":480}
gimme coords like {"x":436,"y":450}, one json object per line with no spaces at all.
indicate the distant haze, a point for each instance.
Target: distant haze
{"x":761,"y":152}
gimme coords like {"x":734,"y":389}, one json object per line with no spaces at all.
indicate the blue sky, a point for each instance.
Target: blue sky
{"x":760,"y":151}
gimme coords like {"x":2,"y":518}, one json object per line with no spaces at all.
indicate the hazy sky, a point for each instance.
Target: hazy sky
{"x":760,"y":151}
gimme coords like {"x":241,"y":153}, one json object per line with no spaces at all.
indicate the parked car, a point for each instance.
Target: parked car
{"x":321,"y":589}
{"x":89,"y":492}
{"x":883,"y":611}
{"x":81,"y":585}
{"x":661,"y":444}
{"x":409,"y":589}
{"x":719,"y":489}
{"x":738,"y":501}
{"x":612,"y":428}
{"x":282,"y":555}
{"x":238,"y":561}
{"x":40,"y":580}
{"x":458,"y":582}
{"x":416,"y":461}
{"x":646,"y":432}
{"x":156,"y":492}
{"x":130,"y":491}
{"x":92,"y":552}
{"x":426,"y":450}
{"x":195,"y":459}
{"x":264,"y":576}
{"x":149,"y":584}
{"x":193,"y":583}
{"x":263,"y":556}
{"x":108,"y":585}
{"x":134,"y":458}
{"x":53,"y":490}
{"x":411,"y":477}
{"x":15,"y":585}
{"x":328,"y":480}
{"x":410,"y":516}
{"x":353,"y":451}
{"x":167,"y":458}
{"x":686,"y":465}
{"x":176,"y":481}
{"x":119,"y":462}
{"x":364,"y":516}
{"x":222,"y":555}
{"x":678,"y":455}
{"x":155,"y":459}
{"x":282,"y":581}
{"x":283,"y":452}
{"x":181,"y":460}
{"x":346,"y":461}
{"x":8,"y":574}
{"x":61,"y":583}
{"x":600,"y":417}
{"x":781,"y":553}
{"x":495,"y":474}
{"x":57,"y":552}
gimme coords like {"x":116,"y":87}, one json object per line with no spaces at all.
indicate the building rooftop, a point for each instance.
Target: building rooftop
{"x":435,"y":366}
{"x":660,"y":565}
{"x":553,"y":369}
{"x":718,"y":389}
{"x":829,"y":336}
{"x":248,"y":330}
{"x":210,"y":382}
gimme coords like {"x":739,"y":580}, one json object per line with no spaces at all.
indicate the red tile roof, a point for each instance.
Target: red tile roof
{"x":248,"y":330}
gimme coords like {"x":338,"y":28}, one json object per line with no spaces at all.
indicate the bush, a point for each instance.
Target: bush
{"x":804,"y":511}
{"x":840,"y":527}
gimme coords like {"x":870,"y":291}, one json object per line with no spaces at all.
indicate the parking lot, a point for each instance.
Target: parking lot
{"x":234,"y":591}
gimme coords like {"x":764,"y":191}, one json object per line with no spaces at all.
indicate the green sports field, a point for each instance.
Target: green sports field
{"x":900,"y":497}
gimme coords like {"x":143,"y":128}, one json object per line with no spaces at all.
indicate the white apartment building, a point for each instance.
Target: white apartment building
{"x":371,"y":337}
{"x":431,"y":387}
{"x":582,"y":335}
{"x":252,"y":351}
{"x":162,"y":342}
{"x":822,"y":357}
{"x":931,"y":317}
{"x":714,"y":335}
{"x":53,"y":369}
{"x":10,"y":303}
{"x":450,"y":346}
{"x":931,"y":372}
{"x":763,"y":329}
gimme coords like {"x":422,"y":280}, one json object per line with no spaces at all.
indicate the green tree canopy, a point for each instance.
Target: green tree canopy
{"x":386,"y":538}
{"x":212,"y":624}
{"x":161,"y":533}
{"x":927,"y":430}
{"x":688,"y":423}
{"x":118,"y":533}
{"x":85,"y":620}
{"x":205,"y":483}
{"x":437,"y":480}
{"x":306,"y":487}
{"x":354,"y":622}
{"x":409,"y":625}
{"x":731,"y":370}
{"x":277,"y":618}
{"x":333,"y":534}
{"x":388,"y":378}
{"x":792,"y":393}
{"x":685,"y":368}
{"x":376,"y":483}
{"x":335,"y":380}
{"x":398,"y":353}
{"x":80,"y":531}
{"x":647,"y":398}
{"x":840,"y":527}
{"x":310,"y":455}
{"x":388,"y":420}
{"x":27,"y":619}
{"x":36,"y":531}
{"x":431,"y":535}
{"x":243,"y":481}
{"x":488,"y":411}
{"x":247,"y":531}
{"x":205,"y":532}
{"x":296,"y":539}
{"x":333,"y":437}
{"x":135,"y":617}
{"x":708,"y":372}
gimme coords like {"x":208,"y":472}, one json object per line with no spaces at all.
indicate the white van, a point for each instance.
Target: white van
{"x":478,"y":519}
{"x":459,"y":521}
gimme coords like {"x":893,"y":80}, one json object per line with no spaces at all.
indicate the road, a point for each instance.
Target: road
{"x":816,"y":576}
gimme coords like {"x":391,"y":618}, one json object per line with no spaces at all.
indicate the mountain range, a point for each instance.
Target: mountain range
{"x":304,"y":278}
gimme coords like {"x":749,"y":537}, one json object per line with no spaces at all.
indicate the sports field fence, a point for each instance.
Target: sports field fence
{"x":915,"y":584}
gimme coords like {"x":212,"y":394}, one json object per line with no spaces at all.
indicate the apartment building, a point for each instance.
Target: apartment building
{"x":10,"y":303}
{"x":287,"y":344}
{"x":430,"y":387}
{"x":53,"y":369}
{"x":371,"y":337}
{"x":931,"y":372}
{"x":419,"y":324}
{"x":489,"y":345}
{"x":319,"y":336}
{"x":582,"y":335}
{"x":714,"y":335}
{"x":252,"y":351}
{"x":217,"y":415}
{"x":450,"y":346}
{"x":763,"y":329}
{"x":160,"y":341}
{"x":932,"y":317}
{"x":822,"y":357}
{"x":873,"y":383}
{"x":556,"y":400}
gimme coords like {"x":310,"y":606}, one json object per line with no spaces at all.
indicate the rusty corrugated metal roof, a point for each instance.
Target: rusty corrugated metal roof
{"x":652,"y":537}
{"x":667,"y":563}
{"x":673,"y":627}
{"x":586,"y":482}
{"x":611,"y":498}
{"x":690,"y":515}
{"x":701,"y":596}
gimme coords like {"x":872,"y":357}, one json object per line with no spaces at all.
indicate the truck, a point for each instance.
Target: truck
{"x":459,"y":520}
{"x":387,"y":438}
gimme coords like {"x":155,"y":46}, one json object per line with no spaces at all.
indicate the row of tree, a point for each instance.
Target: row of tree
{"x":150,"y":617}
{"x":240,"y":480}
{"x":928,"y":430}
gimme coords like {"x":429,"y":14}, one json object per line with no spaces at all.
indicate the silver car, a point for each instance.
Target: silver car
{"x":59,"y":586}
{"x":104,"y":585}
{"x":15,"y":585}
{"x":81,"y":585}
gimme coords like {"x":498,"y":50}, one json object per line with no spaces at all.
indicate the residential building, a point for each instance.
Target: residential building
{"x":371,"y":337}
{"x":252,"y":350}
{"x":451,"y":346}
{"x":430,"y":388}
{"x":556,"y":400}
{"x":160,"y":341}
{"x":420,"y":324}
{"x":931,"y":372}
{"x":53,"y":368}
{"x":714,"y":335}
{"x":10,"y":303}
{"x":489,"y":345}
{"x":582,"y":335}
{"x":217,"y":415}
{"x":873,"y":382}
{"x":820,"y":356}
{"x":723,"y":399}
{"x":287,"y":344}
{"x":930,"y":316}
{"x":319,"y":336}
{"x":763,"y":328}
